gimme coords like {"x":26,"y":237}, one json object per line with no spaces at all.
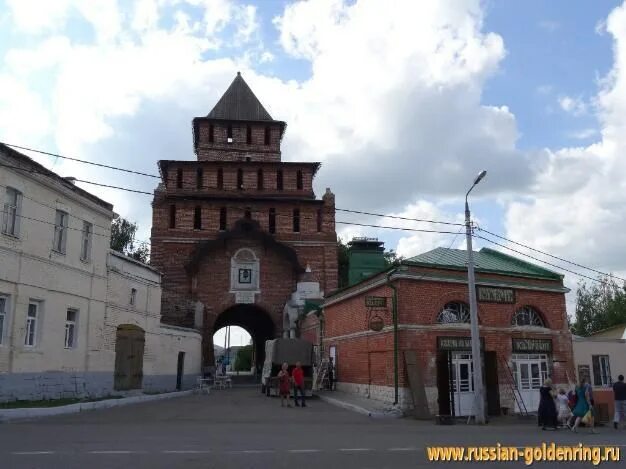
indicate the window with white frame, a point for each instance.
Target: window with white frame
{"x":133,"y":296}
{"x":244,"y":271}
{"x":30,"y":339}
{"x":71,"y":321}
{"x":85,"y":246}
{"x":60,"y":231}
{"x":601,"y":370}
{"x":11,"y":212}
{"x":3,"y":315}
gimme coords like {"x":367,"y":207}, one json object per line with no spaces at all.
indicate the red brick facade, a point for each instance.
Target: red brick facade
{"x":365,"y":358}
{"x":238,"y":194}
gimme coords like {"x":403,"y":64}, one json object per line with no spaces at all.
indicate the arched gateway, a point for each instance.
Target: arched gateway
{"x":233,"y":231}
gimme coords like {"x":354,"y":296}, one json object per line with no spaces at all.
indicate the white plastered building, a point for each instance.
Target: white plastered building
{"x":73,"y":313}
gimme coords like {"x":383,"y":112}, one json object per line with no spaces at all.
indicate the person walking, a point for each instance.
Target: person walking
{"x":547,"y":409}
{"x":619,"y":393}
{"x":584,"y":406}
{"x":298,"y":383}
{"x":331,"y":374}
{"x":283,"y":385}
{"x":564,"y":411}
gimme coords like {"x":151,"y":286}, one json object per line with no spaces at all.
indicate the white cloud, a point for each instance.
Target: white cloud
{"x":575,"y":106}
{"x":577,"y":208}
{"x":584,"y":134}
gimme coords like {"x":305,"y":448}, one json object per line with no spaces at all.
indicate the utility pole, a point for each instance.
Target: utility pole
{"x":479,"y":399}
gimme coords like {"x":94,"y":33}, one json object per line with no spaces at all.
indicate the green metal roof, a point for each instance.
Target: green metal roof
{"x":486,"y":260}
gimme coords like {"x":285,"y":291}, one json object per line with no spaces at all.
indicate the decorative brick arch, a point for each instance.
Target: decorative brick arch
{"x":536,"y":311}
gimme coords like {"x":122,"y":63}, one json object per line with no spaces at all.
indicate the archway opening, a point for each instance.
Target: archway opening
{"x":255,"y":321}
{"x":233,"y":349}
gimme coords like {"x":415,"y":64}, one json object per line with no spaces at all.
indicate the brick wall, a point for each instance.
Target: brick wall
{"x":238,"y":149}
{"x":365,"y":357}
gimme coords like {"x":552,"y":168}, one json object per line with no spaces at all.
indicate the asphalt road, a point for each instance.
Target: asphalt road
{"x":241,"y":428}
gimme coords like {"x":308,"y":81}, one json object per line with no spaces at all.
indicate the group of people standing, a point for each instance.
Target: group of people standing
{"x":570,"y":410}
{"x":285,"y":380}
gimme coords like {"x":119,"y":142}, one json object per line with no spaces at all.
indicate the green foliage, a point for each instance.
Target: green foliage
{"x":243,"y":362}
{"x":599,"y":306}
{"x":123,"y":240}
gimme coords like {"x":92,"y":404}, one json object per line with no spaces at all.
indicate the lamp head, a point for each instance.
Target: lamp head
{"x":480,"y":176}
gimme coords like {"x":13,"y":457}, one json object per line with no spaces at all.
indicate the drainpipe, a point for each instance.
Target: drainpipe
{"x":394,"y":312}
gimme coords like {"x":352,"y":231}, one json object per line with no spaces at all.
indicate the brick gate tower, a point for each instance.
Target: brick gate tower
{"x":237,"y":233}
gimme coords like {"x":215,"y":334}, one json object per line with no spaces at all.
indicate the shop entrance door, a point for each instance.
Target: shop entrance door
{"x":530,"y":371}
{"x":463,"y":383}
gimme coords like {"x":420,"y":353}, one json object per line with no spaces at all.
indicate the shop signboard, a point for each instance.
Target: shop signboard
{"x":532,"y":345}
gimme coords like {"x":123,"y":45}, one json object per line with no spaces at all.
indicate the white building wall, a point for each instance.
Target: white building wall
{"x":99,"y":289}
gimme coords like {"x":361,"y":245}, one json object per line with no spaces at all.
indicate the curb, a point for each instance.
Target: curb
{"x":8,"y":415}
{"x":390,"y":414}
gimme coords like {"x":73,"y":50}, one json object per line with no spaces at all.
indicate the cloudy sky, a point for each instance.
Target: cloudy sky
{"x":403,"y":102}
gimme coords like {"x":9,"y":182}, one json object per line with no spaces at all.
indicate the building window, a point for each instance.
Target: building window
{"x":229,"y":134}
{"x":3,"y":315}
{"x":249,"y":135}
{"x":222,"y":218}
{"x":267,"y":135}
{"x":279,"y":180}
{"x":259,"y":179}
{"x":299,"y":180}
{"x":85,"y":245}
{"x":70,"y":328}
{"x":30,"y":339}
{"x":211,"y":133}
{"x":527,"y":316}
{"x":272,"y":221}
{"x":60,"y":231}
{"x":240,"y":179}
{"x":133,"y":296}
{"x":247,"y":214}
{"x":244,"y":270}
{"x":319,"y":220}
{"x":179,"y":178}
{"x":197,"y":218}
{"x":220,"y":178}
{"x":172,"y":216}
{"x":601,"y":370}
{"x":454,"y":312}
{"x":11,"y":213}
{"x":199,"y":174}
{"x":296,"y":220}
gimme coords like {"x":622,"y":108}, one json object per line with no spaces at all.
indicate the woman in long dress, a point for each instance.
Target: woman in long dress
{"x":584,"y":404}
{"x":547,"y":408}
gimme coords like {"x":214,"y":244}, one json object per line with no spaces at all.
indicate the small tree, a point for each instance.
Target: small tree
{"x":599,"y":306}
{"x":243,"y":362}
{"x":123,"y":240}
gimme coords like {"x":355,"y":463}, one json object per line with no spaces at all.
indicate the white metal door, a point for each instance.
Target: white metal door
{"x":531,"y":370}
{"x":463,"y":383}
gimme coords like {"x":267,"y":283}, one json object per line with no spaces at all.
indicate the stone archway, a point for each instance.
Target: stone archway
{"x":254,"y":320}
{"x":129,"y":348}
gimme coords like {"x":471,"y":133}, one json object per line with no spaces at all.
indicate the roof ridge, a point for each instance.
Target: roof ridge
{"x":519,"y":262}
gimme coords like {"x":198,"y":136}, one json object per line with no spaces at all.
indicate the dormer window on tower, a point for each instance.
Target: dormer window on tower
{"x":299,"y":184}
{"x":179,"y":178}
{"x":267,"y":135}
{"x":248,"y":135}
{"x":229,"y":134}
{"x":259,"y":179}
{"x":279,"y":180}
{"x":240,"y":179}
{"x":220,"y":178}
{"x":211,"y":133}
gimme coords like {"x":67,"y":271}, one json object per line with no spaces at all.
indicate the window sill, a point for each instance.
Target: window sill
{"x":57,"y":253}
{"x":86,"y":261}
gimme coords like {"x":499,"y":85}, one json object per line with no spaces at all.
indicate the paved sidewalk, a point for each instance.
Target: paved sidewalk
{"x":360,"y":404}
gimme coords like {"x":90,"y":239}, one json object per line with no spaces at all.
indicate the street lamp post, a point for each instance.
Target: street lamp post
{"x":479,"y":400}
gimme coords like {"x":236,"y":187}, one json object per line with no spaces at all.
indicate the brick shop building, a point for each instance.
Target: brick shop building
{"x":239,"y":235}
{"x":523,"y":327}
